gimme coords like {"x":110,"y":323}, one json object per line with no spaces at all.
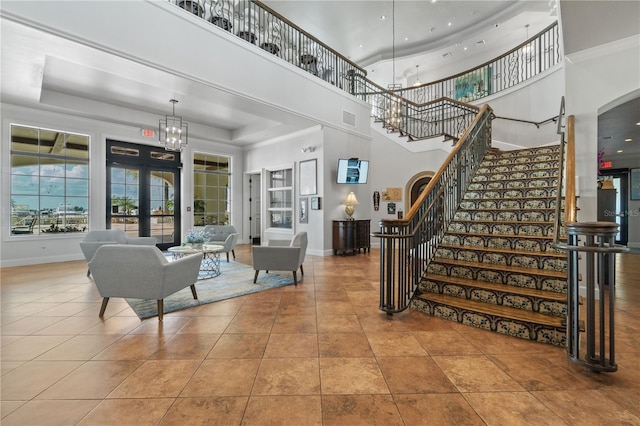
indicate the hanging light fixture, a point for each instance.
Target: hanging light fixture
{"x":418,"y":82}
{"x":173,"y":131}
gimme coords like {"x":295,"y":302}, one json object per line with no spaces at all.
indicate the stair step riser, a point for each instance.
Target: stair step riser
{"x":526,"y":163}
{"x":520,"y":204}
{"x":516,"y":182}
{"x":505,"y":243}
{"x":486,"y":273}
{"x":491,"y":174}
{"x":498,"y":298}
{"x":515,"y":229}
{"x":530,"y":172}
{"x":504,"y":216}
{"x":535,"y":332}
{"x":551,"y":150}
{"x":519,"y":260}
{"x":498,"y":188}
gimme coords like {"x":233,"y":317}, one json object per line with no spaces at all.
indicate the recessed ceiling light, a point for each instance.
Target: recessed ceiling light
{"x":465,"y":48}
{"x":406,"y":38}
{"x":449,"y":24}
{"x":628,"y":140}
{"x":619,"y":151}
{"x":382,"y":18}
{"x":638,"y":123}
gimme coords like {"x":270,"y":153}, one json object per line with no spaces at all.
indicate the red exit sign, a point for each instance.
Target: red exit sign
{"x":606,"y":165}
{"x":148,"y":133}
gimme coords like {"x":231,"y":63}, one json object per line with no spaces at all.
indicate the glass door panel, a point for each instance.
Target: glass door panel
{"x":125,"y":200}
{"x":161,"y":200}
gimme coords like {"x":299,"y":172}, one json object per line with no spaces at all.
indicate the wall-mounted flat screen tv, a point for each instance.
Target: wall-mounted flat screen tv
{"x":352,"y":170}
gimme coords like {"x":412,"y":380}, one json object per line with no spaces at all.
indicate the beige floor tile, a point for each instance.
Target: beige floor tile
{"x":344,"y":345}
{"x":240,"y":346}
{"x":395,"y":344}
{"x":223,"y":307}
{"x":351,"y":376}
{"x":445,"y":342}
{"x":514,"y":408}
{"x":30,"y":347}
{"x":214,"y":411}
{"x":157,"y":379}
{"x":31,"y":378}
{"x":339,"y":324}
{"x":132,"y":346}
{"x":207,"y":325}
{"x":91,"y":380}
{"x":536,"y":372}
{"x":445,"y":409}
{"x":28,"y":325}
{"x":68,"y":326}
{"x":474,"y":373}
{"x":223,"y":377}
{"x":139,"y":412}
{"x":424,"y":376}
{"x":81,"y":347}
{"x":381,"y":322}
{"x":283,"y":410}
{"x":590,"y":408}
{"x":43,"y":413}
{"x":292,"y":346}
{"x":187,"y":346}
{"x":115,"y":325}
{"x":256,"y":323}
{"x":167,"y":327}
{"x":288,"y":376}
{"x":295,"y":324}
{"x":364,"y":410}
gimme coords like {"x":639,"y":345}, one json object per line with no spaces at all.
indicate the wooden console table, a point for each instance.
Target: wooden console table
{"x":351,"y":236}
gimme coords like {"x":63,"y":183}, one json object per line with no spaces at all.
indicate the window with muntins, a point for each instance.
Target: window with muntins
{"x":211,"y":189}
{"x":49,"y":181}
{"x":280,"y":198}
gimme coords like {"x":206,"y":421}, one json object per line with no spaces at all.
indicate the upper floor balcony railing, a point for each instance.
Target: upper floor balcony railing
{"x":440,"y":108}
{"x":258,"y":24}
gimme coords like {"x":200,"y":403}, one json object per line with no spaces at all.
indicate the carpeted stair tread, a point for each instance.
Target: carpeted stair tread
{"x":486,"y":285}
{"x":558,"y":254}
{"x":495,"y":310}
{"x":499,"y":267}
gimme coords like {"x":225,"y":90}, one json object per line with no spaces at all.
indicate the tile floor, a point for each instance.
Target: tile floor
{"x":320,"y":353}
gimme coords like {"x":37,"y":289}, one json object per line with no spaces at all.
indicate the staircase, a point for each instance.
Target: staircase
{"x":495,"y":267}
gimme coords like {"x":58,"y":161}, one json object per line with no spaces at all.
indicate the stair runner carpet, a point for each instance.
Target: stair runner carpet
{"x":495,"y":268}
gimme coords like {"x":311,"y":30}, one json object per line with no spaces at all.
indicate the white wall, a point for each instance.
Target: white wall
{"x":594,"y":78}
{"x":26,"y":249}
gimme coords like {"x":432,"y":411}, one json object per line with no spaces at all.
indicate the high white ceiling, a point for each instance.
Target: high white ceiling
{"x":92,"y":82}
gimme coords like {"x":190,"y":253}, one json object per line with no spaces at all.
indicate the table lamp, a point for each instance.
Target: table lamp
{"x":350,"y":202}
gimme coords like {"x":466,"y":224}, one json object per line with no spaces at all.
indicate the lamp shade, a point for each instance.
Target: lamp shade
{"x":351,"y":200}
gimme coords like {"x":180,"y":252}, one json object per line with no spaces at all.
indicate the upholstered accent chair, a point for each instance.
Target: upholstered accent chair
{"x":96,"y":239}
{"x":141,"y":272}
{"x":281,"y":255}
{"x":223,"y":235}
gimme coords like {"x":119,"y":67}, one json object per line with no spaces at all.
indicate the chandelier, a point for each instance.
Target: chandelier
{"x":172,"y":131}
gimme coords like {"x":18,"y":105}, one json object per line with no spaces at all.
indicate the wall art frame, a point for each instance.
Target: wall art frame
{"x":308,"y":177}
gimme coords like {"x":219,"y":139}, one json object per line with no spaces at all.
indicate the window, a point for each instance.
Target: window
{"x":49,"y":181}
{"x":211,"y":189}
{"x":280,"y":198}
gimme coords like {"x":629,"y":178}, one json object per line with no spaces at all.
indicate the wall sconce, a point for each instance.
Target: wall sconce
{"x":306,"y":149}
{"x":350,"y":202}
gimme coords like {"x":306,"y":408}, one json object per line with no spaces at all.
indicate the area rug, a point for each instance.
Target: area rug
{"x":236,"y":279}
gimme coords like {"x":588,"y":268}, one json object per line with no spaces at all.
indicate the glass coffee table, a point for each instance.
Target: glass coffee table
{"x":210,"y":266}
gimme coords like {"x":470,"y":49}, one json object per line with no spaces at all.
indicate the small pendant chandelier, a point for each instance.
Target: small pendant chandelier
{"x":172,"y":131}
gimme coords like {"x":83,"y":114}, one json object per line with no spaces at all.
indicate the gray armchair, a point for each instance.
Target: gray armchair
{"x":281,"y":255}
{"x":96,"y":239}
{"x":223,"y":235}
{"x":141,"y":272}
